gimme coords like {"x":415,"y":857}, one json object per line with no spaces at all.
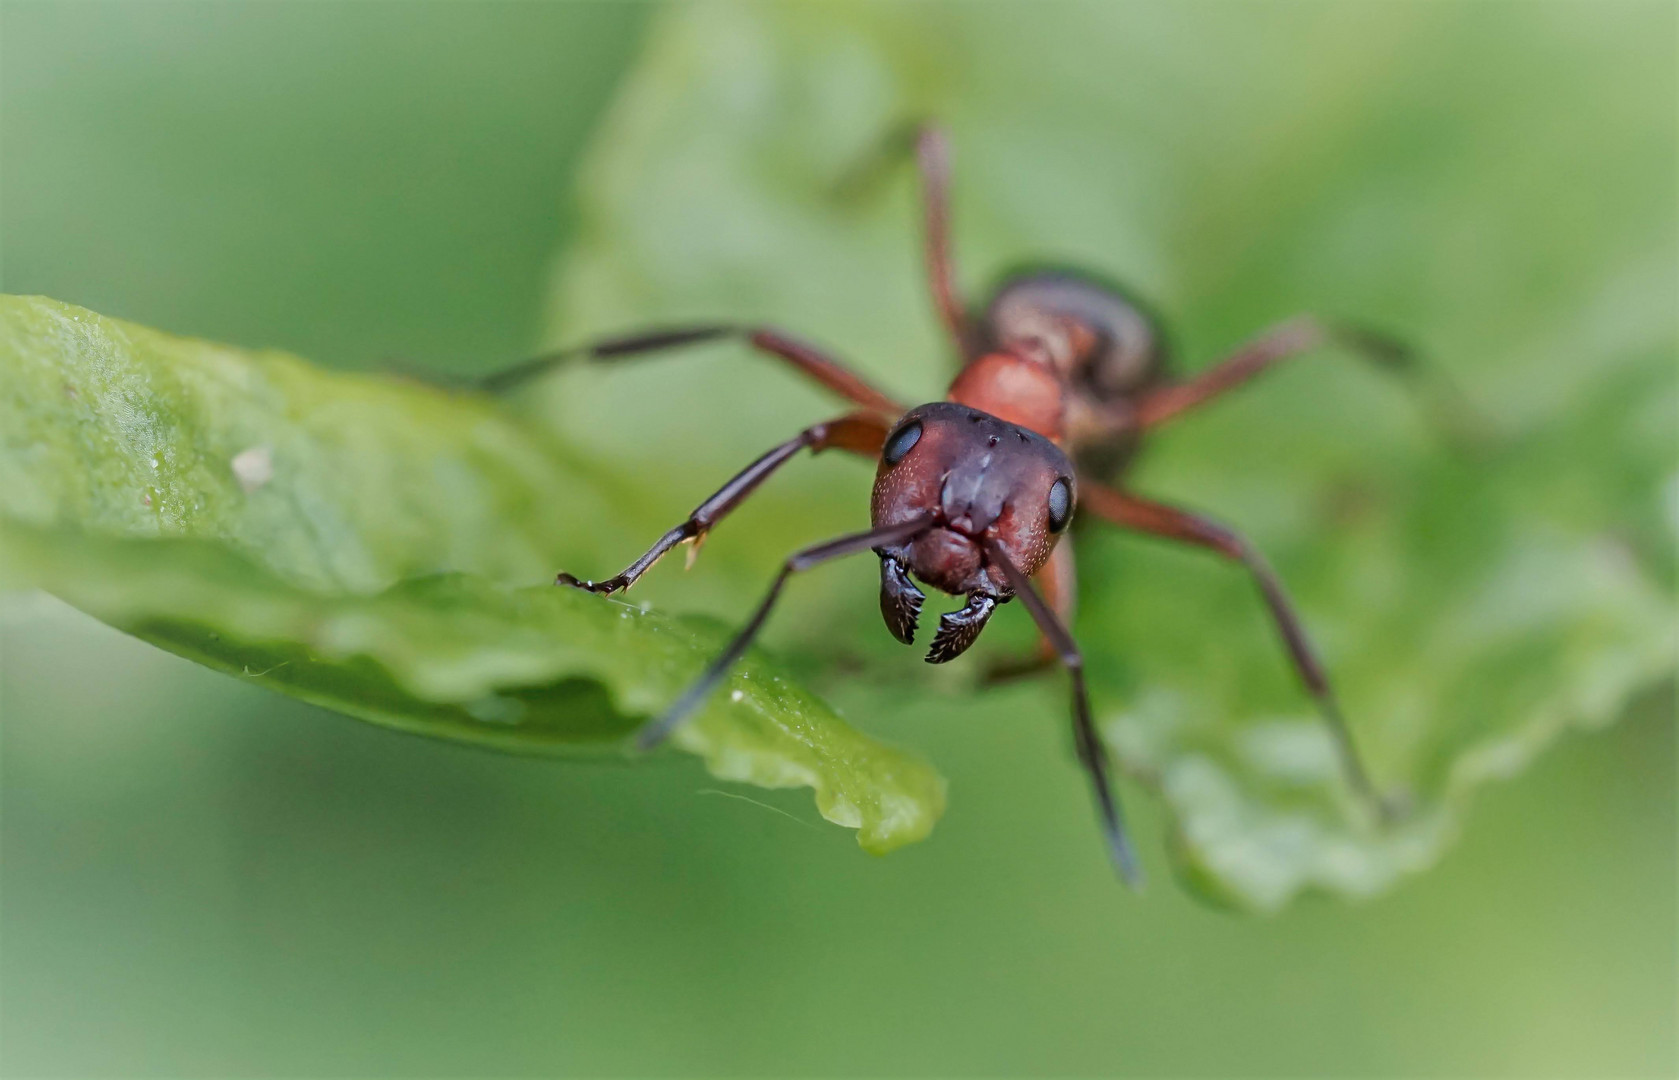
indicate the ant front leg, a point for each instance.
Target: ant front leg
{"x":1158,"y":519}
{"x":860,"y":433}
{"x":802,"y":357}
{"x":1296,"y":338}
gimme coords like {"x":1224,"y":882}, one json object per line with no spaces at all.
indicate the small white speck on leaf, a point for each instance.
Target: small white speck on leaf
{"x":736,"y":695}
{"x":496,"y":709}
{"x":253,"y":467}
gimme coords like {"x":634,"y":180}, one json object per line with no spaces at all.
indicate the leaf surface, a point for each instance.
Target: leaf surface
{"x":357,"y":541}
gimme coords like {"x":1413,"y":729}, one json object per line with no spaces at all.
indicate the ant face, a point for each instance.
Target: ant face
{"x":982,"y":481}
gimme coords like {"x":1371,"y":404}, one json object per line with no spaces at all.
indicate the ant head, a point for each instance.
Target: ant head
{"x":982,"y":482}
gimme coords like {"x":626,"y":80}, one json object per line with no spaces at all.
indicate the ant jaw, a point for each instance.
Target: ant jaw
{"x":900,"y":600}
{"x":959,"y":629}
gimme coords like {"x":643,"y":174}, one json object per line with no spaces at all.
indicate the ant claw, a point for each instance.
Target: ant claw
{"x":599,"y":588}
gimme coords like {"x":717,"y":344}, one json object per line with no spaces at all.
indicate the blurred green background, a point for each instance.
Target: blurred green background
{"x":199,"y":878}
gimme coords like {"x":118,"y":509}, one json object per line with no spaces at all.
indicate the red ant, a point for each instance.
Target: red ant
{"x":1062,"y":377}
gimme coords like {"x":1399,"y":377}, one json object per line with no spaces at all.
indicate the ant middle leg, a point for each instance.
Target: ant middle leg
{"x":1158,"y":519}
{"x":804,"y":358}
{"x":860,"y":433}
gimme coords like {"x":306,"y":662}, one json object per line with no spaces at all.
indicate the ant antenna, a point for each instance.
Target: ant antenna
{"x":658,"y":730}
{"x":1092,"y":754}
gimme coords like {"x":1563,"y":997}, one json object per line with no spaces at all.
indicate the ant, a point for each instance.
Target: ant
{"x":1063,"y":376}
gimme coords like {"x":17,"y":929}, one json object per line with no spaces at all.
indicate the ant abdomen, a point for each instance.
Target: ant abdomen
{"x":1105,"y":341}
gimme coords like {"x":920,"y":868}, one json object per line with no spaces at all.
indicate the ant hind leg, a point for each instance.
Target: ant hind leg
{"x":930,"y":147}
{"x":1449,"y":409}
{"x":1157,"y":519}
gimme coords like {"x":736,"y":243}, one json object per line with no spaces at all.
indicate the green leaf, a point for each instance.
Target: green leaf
{"x":346,"y":539}
{"x":1237,"y":164}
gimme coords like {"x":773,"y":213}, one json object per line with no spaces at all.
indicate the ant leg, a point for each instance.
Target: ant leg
{"x":931,"y":149}
{"x":1143,"y":515}
{"x":807,"y":359}
{"x":1059,"y":582}
{"x":656,"y":731}
{"x":932,"y":159}
{"x":1295,"y":338}
{"x":860,"y":433}
{"x":1092,"y":754}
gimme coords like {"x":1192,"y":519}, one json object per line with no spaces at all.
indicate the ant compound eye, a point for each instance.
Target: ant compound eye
{"x":901,"y":442}
{"x":1060,"y":504}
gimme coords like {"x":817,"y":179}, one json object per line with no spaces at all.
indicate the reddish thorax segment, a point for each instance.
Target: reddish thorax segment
{"x":1014,"y":388}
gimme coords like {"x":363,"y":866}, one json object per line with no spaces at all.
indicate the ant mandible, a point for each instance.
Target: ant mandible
{"x":1062,"y":376}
